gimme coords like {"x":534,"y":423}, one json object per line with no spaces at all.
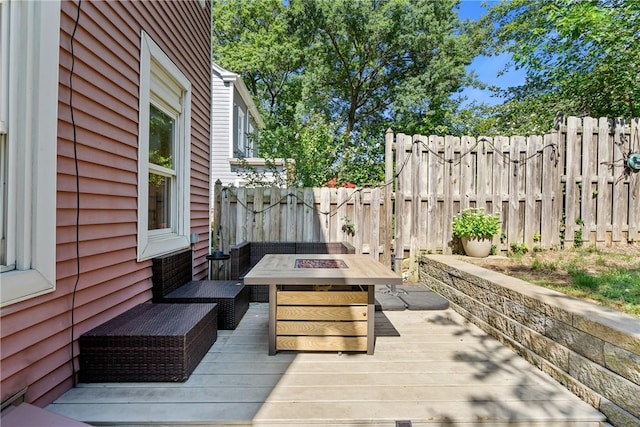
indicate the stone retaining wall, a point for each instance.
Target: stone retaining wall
{"x":593,"y":351}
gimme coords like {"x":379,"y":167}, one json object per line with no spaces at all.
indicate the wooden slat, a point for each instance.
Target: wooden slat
{"x":322,"y":298}
{"x":448,"y":187}
{"x":532,"y":182}
{"x":513,"y":225}
{"x":305,"y":343}
{"x":498,"y":189}
{"x":274,"y":214}
{"x":619,"y":187}
{"x":241,"y":215}
{"x":571,"y":191}
{"x":321,"y":313}
{"x":467,"y":173}
{"x":389,"y":173}
{"x":358,"y":218}
{"x":375,"y":221}
{"x":549,"y":224}
{"x":290,"y":224}
{"x":322,"y":328}
{"x":634,"y":186}
{"x":586,"y":201}
{"x":416,"y":203}
{"x":400,"y":197}
{"x":258,"y":219}
{"x":432,"y":196}
{"x":325,"y":206}
{"x":483,"y":189}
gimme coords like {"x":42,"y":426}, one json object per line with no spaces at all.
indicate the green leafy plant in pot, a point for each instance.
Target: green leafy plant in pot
{"x":476,"y":228}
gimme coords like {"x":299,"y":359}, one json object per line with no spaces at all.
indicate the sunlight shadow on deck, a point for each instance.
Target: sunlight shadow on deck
{"x":429,"y":367}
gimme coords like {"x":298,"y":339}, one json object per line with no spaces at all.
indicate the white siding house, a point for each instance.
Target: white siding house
{"x":234,"y":119}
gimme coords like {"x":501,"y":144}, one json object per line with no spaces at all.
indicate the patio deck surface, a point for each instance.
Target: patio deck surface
{"x":432,"y":368}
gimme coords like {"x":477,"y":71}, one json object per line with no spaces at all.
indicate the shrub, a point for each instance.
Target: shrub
{"x":474,"y":223}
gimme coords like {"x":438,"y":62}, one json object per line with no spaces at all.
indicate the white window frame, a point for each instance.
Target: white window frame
{"x":164,"y":85}
{"x":241,"y":133}
{"x":251,"y":138}
{"x":29,"y":112}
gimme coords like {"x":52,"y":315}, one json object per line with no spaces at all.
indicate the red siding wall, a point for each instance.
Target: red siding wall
{"x":36,"y":333}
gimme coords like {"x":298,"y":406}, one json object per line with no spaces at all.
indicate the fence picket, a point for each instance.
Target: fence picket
{"x":532,"y":183}
{"x":634,"y":185}
{"x":619,"y":206}
{"x":603,"y":198}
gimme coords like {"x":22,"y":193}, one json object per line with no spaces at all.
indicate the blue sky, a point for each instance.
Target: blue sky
{"x":487,"y":68}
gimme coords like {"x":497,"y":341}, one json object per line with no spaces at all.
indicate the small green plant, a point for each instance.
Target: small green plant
{"x":474,"y":223}
{"x":519,"y":248}
{"x":543,"y":266}
{"x":537,"y":237}
{"x":348,"y":227}
{"x":578,"y":240}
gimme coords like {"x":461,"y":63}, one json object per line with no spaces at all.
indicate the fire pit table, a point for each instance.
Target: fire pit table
{"x":321,"y":302}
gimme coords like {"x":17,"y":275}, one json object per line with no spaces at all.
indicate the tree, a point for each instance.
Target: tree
{"x":340,"y":72}
{"x":252,"y":38}
{"x":580,"y":57}
{"x":376,"y":63}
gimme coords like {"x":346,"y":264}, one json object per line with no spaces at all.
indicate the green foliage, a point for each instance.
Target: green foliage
{"x":544,"y":266}
{"x":519,"y":248}
{"x":615,"y":284}
{"x":578,"y":239}
{"x":475,"y":223}
{"x":348,"y":227}
{"x":580,"y":57}
{"x":348,"y":70}
{"x":312,"y":144}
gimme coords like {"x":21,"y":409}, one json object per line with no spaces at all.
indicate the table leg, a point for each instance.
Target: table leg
{"x":273,"y":304}
{"x":371,"y":319}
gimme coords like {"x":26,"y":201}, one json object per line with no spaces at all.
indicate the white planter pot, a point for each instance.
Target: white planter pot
{"x":477,"y":248}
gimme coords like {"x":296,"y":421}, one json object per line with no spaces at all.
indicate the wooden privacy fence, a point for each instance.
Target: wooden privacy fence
{"x":303,"y":214}
{"x":568,"y":186}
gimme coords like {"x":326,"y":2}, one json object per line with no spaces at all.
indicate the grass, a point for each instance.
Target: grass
{"x":607,"y":276}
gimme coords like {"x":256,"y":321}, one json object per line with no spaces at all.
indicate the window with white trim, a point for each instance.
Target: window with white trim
{"x":29,"y":52}
{"x":240,"y":137}
{"x":252,"y":139}
{"x":164,"y":154}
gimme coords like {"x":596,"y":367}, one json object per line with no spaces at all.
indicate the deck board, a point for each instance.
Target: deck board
{"x":433,"y":368}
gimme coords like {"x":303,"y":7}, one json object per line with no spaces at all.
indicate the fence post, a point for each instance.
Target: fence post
{"x":215,"y":221}
{"x":389,"y":182}
{"x":400,"y":211}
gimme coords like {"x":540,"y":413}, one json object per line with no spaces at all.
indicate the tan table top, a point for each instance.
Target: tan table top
{"x":275,"y":269}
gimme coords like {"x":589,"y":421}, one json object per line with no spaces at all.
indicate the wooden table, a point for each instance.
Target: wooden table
{"x":321,"y":302}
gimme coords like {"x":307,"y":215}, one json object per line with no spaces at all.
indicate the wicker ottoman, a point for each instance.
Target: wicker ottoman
{"x":231,"y":296}
{"x":150,"y":342}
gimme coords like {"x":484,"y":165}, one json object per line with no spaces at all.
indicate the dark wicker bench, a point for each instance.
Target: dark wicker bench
{"x":231,"y":296}
{"x":247,"y":254}
{"x":149,"y":342}
{"x":172,"y":284}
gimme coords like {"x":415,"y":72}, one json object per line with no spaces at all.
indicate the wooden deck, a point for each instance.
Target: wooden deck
{"x":430,"y":367}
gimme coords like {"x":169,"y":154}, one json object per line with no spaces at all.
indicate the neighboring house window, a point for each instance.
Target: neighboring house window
{"x":164,"y":153}
{"x":29,"y":52}
{"x":252,"y":139}
{"x":240,"y":134}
